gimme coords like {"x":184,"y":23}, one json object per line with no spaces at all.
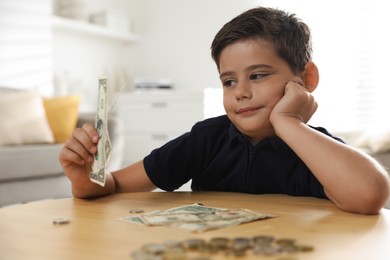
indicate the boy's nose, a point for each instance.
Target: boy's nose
{"x":243,"y":90}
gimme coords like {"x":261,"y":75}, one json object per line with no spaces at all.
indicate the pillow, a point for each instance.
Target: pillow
{"x":62,"y":114}
{"x":23,"y":119}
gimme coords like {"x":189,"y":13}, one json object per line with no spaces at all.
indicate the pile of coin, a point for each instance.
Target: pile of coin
{"x":198,"y":248}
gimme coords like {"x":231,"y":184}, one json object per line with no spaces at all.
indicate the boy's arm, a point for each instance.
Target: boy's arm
{"x":133,"y":178}
{"x":130,"y":179}
{"x":76,"y":160}
{"x":354,"y":181}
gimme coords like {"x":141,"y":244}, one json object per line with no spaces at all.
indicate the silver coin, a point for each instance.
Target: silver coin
{"x":241,"y":243}
{"x":61,"y":221}
{"x":136,"y":211}
{"x":285,"y":241}
{"x":154,"y":249}
{"x":141,"y":255}
{"x":173,"y":244}
{"x":194,"y":244}
{"x":219,"y":243}
{"x":174,"y":253}
{"x":263,"y":239}
{"x":304,"y":248}
{"x":268,"y":250}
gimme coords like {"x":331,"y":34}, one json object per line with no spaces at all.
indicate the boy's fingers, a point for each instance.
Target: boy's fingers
{"x":297,"y":80}
{"x":91,"y":131}
{"x":70,"y":156}
{"x":81,"y":146}
{"x":80,"y":152}
{"x":81,"y":142}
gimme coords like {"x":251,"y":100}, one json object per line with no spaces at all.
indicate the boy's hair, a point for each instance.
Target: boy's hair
{"x":290,"y":36}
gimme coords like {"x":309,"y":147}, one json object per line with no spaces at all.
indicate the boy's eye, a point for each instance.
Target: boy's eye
{"x":229,"y":83}
{"x":257,"y":76}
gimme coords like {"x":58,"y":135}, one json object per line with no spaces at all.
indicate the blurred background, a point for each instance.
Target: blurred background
{"x":54,"y":46}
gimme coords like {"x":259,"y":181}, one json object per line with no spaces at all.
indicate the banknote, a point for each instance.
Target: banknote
{"x":197,"y":218}
{"x":102,"y":155}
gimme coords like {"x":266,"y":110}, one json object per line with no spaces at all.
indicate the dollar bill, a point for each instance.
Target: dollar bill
{"x":102,"y":155}
{"x":197,"y":218}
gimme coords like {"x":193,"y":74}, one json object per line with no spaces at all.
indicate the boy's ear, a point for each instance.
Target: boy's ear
{"x":311,"y":76}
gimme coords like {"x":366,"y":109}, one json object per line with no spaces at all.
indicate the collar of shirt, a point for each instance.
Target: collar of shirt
{"x":235,"y":137}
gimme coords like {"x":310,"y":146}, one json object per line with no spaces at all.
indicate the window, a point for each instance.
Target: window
{"x":351,"y":47}
{"x":26,"y":45}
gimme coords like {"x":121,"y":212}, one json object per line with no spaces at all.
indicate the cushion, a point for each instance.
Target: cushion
{"x":62,"y":114}
{"x":23,"y":119}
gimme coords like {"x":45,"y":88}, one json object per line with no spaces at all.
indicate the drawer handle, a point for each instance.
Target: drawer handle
{"x":159,"y":104}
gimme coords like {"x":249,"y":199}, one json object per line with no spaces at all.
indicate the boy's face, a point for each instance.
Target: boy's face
{"x":253,"y":78}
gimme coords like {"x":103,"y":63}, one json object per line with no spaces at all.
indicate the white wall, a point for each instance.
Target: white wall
{"x":176,"y":38}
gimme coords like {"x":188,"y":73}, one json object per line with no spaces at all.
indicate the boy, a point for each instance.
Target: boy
{"x":262,"y":144}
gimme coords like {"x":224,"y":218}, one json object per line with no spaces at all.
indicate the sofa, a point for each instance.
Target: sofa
{"x":30,"y":172}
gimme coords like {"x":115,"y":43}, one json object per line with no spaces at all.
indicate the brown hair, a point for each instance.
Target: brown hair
{"x":290,"y":36}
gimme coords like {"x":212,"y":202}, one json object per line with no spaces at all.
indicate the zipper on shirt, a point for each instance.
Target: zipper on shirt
{"x":246,"y":179}
{"x":251,"y":152}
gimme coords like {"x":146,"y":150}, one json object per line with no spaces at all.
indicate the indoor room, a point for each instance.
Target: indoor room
{"x":145,"y":69}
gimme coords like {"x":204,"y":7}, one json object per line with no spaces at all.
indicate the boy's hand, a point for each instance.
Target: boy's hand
{"x":296,"y":104}
{"x":76,"y":156}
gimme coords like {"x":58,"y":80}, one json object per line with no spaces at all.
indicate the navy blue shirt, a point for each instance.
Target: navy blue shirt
{"x":217,"y":157}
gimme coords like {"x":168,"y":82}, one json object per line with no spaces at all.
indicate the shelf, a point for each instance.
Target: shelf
{"x":92,"y":29}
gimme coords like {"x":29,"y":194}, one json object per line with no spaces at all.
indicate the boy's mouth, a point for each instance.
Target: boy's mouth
{"x":247,"y":110}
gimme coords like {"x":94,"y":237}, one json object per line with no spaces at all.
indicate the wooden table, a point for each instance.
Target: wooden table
{"x":27,"y":231}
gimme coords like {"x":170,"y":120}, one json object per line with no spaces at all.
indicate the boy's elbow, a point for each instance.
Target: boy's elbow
{"x":363,"y":204}
{"x":373,"y":198}
{"x":372,"y":204}
{"x":368,"y":199}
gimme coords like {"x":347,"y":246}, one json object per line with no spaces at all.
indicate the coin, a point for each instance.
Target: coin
{"x":154,"y":249}
{"x":263,"y":239}
{"x":174,"y":253}
{"x":241,"y":243}
{"x":304,"y":248}
{"x":200,"y":249}
{"x":194,"y":244}
{"x":219,"y":243}
{"x":173,"y":243}
{"x":267,"y":250}
{"x":285,"y":241}
{"x":61,"y":221}
{"x":235,"y":253}
{"x":136,"y":211}
{"x":142,"y":255}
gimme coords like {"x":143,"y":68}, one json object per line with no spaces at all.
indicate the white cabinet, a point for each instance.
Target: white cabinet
{"x":153,"y":117}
